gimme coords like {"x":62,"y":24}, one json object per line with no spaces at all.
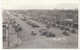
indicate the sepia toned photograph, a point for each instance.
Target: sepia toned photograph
{"x":40,"y":28}
{"x":39,"y":24}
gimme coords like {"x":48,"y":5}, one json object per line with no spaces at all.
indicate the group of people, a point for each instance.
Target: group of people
{"x":17,"y":27}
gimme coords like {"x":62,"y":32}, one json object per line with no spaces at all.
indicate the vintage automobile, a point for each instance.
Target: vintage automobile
{"x":33,"y":24}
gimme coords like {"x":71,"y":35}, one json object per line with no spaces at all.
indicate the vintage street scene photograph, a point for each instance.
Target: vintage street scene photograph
{"x":40,"y":24}
{"x":40,"y":28}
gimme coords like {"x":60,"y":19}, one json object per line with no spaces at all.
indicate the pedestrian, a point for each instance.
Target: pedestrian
{"x":18,"y":28}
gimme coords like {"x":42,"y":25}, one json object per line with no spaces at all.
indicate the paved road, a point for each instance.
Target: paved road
{"x":29,"y":41}
{"x":43,"y":42}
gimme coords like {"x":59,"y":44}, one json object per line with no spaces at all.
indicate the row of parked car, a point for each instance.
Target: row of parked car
{"x":66,"y":28}
{"x":66,"y":31}
{"x":43,"y":32}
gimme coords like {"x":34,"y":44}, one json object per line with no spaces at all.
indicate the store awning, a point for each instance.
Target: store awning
{"x":70,"y":20}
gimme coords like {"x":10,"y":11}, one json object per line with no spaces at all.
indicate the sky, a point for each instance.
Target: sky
{"x":39,"y":4}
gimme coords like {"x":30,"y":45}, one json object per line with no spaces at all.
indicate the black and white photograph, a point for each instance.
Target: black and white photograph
{"x":40,"y":25}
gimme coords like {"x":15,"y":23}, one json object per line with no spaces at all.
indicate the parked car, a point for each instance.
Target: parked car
{"x":50,"y":34}
{"x":33,"y":24}
{"x":65,"y":33}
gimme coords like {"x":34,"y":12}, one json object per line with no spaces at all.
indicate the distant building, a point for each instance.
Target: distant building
{"x":68,"y":22}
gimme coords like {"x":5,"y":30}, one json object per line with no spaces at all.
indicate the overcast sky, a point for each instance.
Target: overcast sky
{"x":39,"y":4}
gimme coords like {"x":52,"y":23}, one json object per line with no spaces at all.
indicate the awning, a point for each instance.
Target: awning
{"x":70,"y":20}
